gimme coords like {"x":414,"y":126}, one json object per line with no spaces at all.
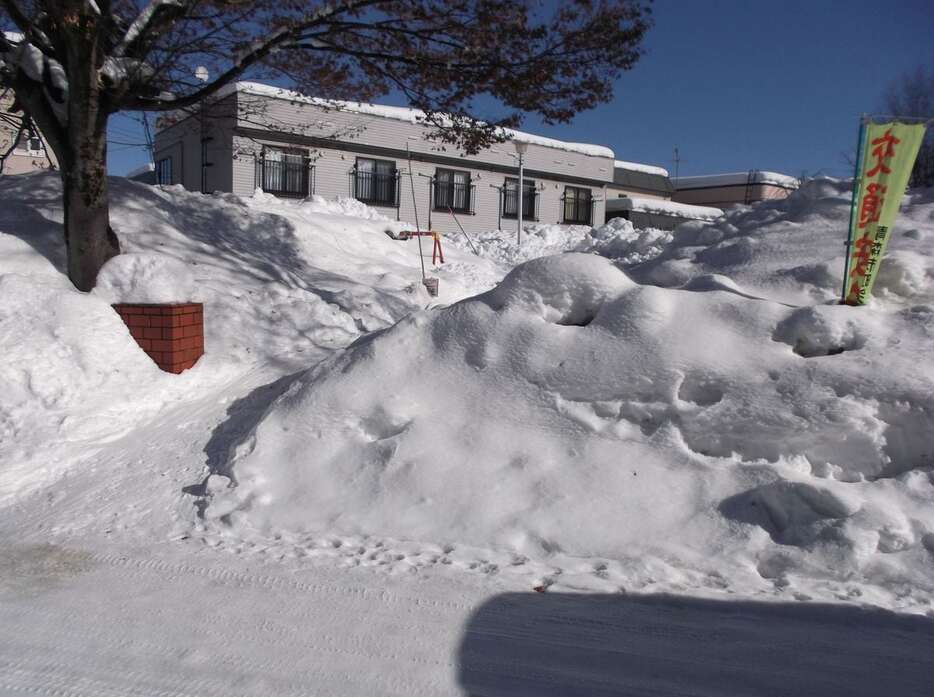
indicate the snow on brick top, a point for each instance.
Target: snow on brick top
{"x":402,"y":114}
{"x":638,"y":167}
{"x":662,"y":207}
{"x":736,"y":178}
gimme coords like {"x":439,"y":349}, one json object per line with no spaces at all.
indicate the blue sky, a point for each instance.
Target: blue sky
{"x":735,"y":85}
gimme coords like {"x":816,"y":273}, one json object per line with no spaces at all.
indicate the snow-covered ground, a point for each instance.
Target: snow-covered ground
{"x":357,"y":488}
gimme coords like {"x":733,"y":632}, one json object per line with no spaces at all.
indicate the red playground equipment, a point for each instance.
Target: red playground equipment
{"x":437,"y":255}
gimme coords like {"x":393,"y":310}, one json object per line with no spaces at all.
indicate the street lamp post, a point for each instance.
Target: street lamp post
{"x":520,"y":151}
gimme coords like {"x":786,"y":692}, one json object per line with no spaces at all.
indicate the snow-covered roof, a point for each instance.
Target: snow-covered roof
{"x":736,"y":178}
{"x":13,"y":36}
{"x":662,"y":207}
{"x":402,"y":114}
{"x":638,"y":167}
{"x":142,"y":169}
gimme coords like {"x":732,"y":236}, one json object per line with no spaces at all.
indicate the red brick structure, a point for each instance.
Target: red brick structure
{"x":172,"y":335}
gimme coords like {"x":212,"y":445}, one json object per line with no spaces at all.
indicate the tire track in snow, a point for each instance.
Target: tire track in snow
{"x":138,"y":566}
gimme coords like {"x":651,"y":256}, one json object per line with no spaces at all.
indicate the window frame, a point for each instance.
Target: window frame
{"x":24,"y":144}
{"x":578,"y":205}
{"x":531,"y":196}
{"x":391,"y":197}
{"x":159,"y":170}
{"x":441,"y":201}
{"x":284,"y":172}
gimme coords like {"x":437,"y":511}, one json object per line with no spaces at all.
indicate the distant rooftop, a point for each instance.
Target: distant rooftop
{"x":662,"y":207}
{"x":736,"y":179}
{"x":638,"y":167}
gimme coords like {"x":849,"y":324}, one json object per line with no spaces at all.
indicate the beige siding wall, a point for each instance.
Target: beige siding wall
{"x":20,"y":161}
{"x":182,"y":143}
{"x":724,"y":196}
{"x":332,"y":179}
{"x":360,"y":133}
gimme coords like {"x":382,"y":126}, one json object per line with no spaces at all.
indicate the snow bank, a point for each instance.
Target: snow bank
{"x":282,"y":282}
{"x":620,"y":241}
{"x":538,"y":240}
{"x":573,"y":414}
{"x":792,"y":250}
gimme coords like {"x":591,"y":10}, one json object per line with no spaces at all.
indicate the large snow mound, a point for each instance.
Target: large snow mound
{"x":282,"y":282}
{"x":573,"y":413}
{"x":792,"y":250}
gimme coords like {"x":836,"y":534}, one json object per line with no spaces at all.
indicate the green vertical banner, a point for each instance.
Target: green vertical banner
{"x":888,"y":154}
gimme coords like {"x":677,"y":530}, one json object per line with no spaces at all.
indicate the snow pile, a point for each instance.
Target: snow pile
{"x":572,"y":416}
{"x":282,"y":284}
{"x":538,"y":240}
{"x":146,"y":278}
{"x":619,"y":240}
{"x":350,"y":207}
{"x":792,"y":249}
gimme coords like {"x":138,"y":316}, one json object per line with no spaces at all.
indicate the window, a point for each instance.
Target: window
{"x":29,"y":143}
{"x":374,"y":181}
{"x":205,"y":164}
{"x":452,"y":190}
{"x":164,"y":171}
{"x":578,"y":207}
{"x":284,"y":172}
{"x":511,"y":199}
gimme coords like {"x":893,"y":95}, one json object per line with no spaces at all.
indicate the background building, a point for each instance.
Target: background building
{"x":635,"y":179}
{"x":724,"y":190}
{"x":21,"y":149}
{"x":259,"y":137}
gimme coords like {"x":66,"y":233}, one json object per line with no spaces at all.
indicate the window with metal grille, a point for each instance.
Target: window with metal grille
{"x":164,"y":171}
{"x":29,"y":142}
{"x":452,"y":190}
{"x":578,"y":206}
{"x":284,"y":173}
{"x":374,"y":181}
{"x":511,"y":199}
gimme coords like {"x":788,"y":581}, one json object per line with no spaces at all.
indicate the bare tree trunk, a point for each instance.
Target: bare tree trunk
{"x":88,"y":235}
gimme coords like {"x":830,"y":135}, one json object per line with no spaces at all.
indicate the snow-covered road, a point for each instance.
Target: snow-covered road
{"x":173,"y":622}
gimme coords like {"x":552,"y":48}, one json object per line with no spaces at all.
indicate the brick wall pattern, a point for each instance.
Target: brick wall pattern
{"x":172,"y":335}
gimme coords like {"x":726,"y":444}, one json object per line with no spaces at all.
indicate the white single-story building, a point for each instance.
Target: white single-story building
{"x":254,"y":136}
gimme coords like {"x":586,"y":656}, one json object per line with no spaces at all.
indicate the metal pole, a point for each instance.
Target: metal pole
{"x":520,"y":192}
{"x":421,"y":256}
{"x":853,"y":203}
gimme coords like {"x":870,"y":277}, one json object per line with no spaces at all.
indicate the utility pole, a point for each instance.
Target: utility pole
{"x":520,"y":150}
{"x":677,"y":161}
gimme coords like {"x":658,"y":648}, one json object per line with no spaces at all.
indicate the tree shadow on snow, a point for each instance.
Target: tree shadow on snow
{"x":243,"y":415}
{"x":19,"y":218}
{"x":555,"y":644}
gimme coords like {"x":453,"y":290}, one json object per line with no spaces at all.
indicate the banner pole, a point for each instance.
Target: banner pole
{"x":853,"y":203}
